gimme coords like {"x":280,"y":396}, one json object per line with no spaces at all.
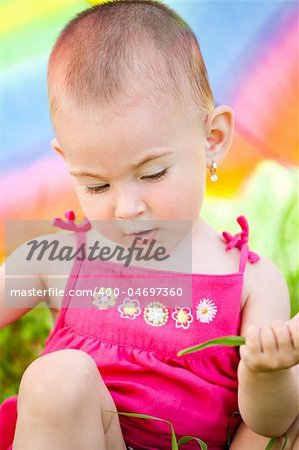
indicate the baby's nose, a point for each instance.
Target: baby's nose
{"x":129,"y":205}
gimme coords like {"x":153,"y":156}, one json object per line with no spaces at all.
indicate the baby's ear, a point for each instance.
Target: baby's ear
{"x":220,"y":129}
{"x":56,"y":146}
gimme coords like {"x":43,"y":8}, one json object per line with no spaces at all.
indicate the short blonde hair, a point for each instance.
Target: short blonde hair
{"x":111,"y":45}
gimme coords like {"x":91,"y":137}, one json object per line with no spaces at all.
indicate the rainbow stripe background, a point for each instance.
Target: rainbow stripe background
{"x":251,"y":52}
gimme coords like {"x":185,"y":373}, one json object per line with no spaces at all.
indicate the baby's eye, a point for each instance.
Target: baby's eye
{"x":155,"y":176}
{"x":96,"y":189}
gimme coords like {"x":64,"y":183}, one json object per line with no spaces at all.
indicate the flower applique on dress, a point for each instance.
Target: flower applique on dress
{"x":206,"y":310}
{"x":104,"y":298}
{"x":129,"y":309}
{"x":182,"y":317}
{"x":156,"y":314}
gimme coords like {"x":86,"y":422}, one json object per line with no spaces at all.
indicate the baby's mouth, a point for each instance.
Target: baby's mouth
{"x":147,"y":234}
{"x":142,"y":232}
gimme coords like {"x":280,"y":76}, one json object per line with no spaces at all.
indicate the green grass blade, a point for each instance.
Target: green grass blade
{"x":273,"y":441}
{"x":230,"y":341}
{"x":285,"y":442}
{"x":174,"y":445}
{"x":185,"y":439}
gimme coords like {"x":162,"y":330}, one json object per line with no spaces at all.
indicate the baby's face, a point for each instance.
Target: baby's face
{"x":145,"y":162}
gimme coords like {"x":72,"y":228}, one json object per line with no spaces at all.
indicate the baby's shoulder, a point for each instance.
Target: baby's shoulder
{"x":260,"y":277}
{"x":54,"y":253}
{"x":265,"y":286}
{"x":209,"y":254}
{"x":41,"y":255}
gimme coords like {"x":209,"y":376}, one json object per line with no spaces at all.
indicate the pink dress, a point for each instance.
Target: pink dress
{"x":135,"y":348}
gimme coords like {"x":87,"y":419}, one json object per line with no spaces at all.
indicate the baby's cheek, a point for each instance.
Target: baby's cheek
{"x":92,"y":206}
{"x":194,"y":194}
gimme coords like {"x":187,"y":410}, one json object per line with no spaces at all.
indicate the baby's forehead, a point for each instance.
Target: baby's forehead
{"x":133,"y":103}
{"x":138,"y":125}
{"x":137,"y":115}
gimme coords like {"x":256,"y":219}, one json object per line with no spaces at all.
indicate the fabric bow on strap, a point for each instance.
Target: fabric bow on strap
{"x":69,"y":223}
{"x":240,"y":239}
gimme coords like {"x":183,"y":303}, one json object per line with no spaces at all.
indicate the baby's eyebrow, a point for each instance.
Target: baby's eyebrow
{"x":76,"y":173}
{"x":150,"y":158}
{"x":85,"y":173}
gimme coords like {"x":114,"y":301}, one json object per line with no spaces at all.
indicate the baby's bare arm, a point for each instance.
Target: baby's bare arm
{"x":34,"y":274}
{"x":17,"y":278}
{"x":268,"y":386}
{"x":246,"y":439}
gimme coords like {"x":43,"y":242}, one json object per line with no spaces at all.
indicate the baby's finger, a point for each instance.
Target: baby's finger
{"x":282,"y":335}
{"x":253,"y":339}
{"x":251,"y":352}
{"x":268,"y":340}
{"x":293,"y":326}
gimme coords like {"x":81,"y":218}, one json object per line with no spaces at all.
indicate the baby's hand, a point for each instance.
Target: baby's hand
{"x":273,"y":347}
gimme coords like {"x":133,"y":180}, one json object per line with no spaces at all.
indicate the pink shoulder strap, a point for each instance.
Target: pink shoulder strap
{"x":69,"y":224}
{"x":240,"y":240}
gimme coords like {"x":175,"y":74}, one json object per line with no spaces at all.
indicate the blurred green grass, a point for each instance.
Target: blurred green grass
{"x":20,"y":344}
{"x":269,"y":201}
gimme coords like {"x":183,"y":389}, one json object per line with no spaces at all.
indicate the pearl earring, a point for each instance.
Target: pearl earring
{"x":213,"y":174}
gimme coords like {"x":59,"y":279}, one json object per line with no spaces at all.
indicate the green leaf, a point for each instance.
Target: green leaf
{"x":174,"y":444}
{"x":285,"y":442}
{"x":185,"y":439}
{"x":230,"y":341}
{"x":273,"y":441}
